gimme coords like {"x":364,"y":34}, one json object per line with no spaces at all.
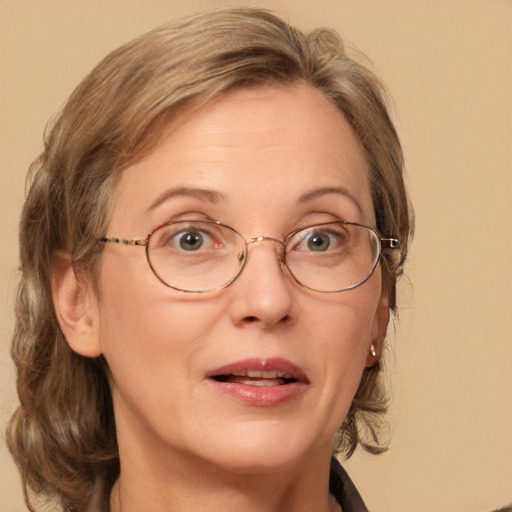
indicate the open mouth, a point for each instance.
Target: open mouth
{"x":256,"y":378}
{"x":260,"y":382}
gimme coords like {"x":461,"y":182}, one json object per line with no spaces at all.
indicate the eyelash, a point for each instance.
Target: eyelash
{"x":313,"y":217}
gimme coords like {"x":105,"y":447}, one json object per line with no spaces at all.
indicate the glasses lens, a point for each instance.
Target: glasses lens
{"x":196,"y":256}
{"x":332,"y":257}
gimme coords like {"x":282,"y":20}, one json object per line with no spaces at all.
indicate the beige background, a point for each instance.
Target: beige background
{"x":448,"y":65}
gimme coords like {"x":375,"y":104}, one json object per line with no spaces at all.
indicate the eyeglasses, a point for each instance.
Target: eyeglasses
{"x":201,"y":255}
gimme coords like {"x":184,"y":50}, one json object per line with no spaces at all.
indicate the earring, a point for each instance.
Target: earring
{"x":372,"y":350}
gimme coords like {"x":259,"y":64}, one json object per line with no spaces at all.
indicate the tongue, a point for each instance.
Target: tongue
{"x":255,"y":381}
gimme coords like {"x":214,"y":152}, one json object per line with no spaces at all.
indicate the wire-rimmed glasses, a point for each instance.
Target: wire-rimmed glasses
{"x":200,"y":255}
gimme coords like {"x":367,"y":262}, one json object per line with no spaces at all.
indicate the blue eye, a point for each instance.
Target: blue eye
{"x":327,"y":240}
{"x":318,"y":241}
{"x":323,"y":240}
{"x":190,"y":240}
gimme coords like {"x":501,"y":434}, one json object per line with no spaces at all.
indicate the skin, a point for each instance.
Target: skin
{"x":183,"y":445}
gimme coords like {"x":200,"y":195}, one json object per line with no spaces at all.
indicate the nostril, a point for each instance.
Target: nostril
{"x":285,"y":319}
{"x":254,"y":319}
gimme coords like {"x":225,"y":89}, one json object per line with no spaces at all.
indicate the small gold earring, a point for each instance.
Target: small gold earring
{"x":372,"y":350}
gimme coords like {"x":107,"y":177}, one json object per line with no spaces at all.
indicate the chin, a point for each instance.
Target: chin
{"x":261,"y":448}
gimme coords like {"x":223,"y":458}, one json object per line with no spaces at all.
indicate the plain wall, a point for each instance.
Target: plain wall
{"x":448,"y":66}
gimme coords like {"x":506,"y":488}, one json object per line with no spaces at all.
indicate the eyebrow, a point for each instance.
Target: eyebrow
{"x":319,"y":192}
{"x":211,"y":196}
{"x":214,"y":197}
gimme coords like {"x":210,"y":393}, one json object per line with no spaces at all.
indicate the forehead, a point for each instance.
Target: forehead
{"x":275,"y":142}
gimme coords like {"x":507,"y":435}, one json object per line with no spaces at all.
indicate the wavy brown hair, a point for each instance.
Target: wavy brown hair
{"x":62,"y":435}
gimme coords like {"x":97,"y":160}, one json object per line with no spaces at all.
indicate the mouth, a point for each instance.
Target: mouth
{"x":260,"y":382}
{"x":256,"y":378}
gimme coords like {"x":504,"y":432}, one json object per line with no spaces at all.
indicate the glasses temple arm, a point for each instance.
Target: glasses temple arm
{"x":392,"y":243}
{"x":131,"y":241}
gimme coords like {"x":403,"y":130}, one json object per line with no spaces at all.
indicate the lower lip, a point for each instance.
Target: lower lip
{"x":260,"y":396}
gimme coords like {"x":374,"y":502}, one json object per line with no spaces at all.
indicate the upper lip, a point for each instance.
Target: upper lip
{"x":261,"y":368}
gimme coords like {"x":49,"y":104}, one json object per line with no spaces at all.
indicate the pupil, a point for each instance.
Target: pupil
{"x":191,"y":241}
{"x":318,"y":242}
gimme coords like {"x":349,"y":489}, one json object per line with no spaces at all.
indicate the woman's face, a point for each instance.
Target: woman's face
{"x":266,"y":161}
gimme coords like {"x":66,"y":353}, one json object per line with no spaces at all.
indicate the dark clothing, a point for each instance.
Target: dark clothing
{"x":343,"y":489}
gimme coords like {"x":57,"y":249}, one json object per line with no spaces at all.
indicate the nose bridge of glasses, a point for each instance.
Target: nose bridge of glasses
{"x":260,"y":239}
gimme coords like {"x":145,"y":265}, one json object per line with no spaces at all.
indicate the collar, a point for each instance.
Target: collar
{"x":344,"y":490}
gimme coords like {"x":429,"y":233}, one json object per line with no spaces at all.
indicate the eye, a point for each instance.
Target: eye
{"x":189,"y":240}
{"x":320,"y":239}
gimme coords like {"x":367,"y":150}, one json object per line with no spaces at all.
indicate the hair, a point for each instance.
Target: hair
{"x":62,"y":435}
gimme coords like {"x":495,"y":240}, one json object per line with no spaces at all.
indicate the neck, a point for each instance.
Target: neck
{"x":199,"y":487}
{"x":157,"y":475}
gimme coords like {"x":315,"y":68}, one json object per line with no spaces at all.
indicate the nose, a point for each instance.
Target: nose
{"x":262,"y":294}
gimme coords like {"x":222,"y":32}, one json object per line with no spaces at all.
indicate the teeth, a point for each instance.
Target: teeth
{"x":267,"y":382}
{"x":263,"y":374}
{"x":254,"y":377}
{"x":260,"y":374}
{"x":254,"y":381}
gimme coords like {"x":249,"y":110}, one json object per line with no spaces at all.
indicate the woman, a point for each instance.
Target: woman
{"x":209,"y":253}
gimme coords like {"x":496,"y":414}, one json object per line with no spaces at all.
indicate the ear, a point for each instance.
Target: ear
{"x":76,"y":307}
{"x":379,"y":329}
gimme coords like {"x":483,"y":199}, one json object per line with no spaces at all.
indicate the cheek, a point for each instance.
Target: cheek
{"x":152,"y":332}
{"x":147,"y":331}
{"x":346,"y":323}
{"x":346,"y":349}
{"x":344,"y":328}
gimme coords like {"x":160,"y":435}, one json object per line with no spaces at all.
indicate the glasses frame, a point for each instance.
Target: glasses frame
{"x":389,"y":243}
